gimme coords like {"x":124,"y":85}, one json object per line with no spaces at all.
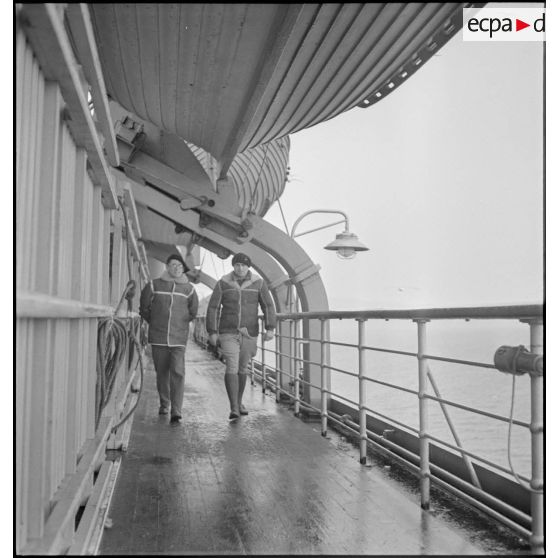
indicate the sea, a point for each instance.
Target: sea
{"x":482,"y":388}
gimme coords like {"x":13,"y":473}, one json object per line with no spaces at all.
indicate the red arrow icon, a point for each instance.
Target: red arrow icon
{"x":519,"y":25}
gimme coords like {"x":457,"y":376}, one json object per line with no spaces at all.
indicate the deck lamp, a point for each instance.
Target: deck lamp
{"x":346,"y":244}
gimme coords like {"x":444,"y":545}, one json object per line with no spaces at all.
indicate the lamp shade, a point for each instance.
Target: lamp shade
{"x":346,"y":244}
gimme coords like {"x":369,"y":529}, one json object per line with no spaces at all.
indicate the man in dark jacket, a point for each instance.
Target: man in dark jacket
{"x":168,"y":304}
{"x":232,"y":319}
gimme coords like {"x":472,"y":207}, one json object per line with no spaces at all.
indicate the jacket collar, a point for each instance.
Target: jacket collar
{"x":182,"y":279}
{"x":248,"y":280}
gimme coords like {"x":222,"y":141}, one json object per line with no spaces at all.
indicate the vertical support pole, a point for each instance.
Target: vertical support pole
{"x":283,"y":346}
{"x":537,"y":443}
{"x":252,"y":371}
{"x":323,"y":376}
{"x":292,"y":359}
{"x":423,"y":417}
{"x":263,"y":359}
{"x":297,"y":378}
{"x":362,"y":389}
{"x":278,"y":371}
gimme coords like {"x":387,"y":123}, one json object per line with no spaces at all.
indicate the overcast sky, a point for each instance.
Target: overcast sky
{"x":442,"y":180}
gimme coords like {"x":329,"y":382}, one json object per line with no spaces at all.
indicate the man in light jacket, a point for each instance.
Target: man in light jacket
{"x":168,"y":305}
{"x":232,"y":319}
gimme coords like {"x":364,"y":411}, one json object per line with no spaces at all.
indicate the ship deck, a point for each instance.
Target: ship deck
{"x":267,"y":483}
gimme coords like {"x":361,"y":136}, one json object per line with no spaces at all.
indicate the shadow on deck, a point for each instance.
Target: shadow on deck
{"x":268,"y":483}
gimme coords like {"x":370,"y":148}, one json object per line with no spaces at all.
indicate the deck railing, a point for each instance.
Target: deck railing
{"x":471,"y":476}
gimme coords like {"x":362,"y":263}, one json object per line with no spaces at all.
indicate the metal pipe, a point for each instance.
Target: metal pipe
{"x":319,"y":211}
{"x":362,"y":389}
{"x":478,"y":411}
{"x":537,"y":442}
{"x":425,"y":468}
{"x":278,"y":372}
{"x":459,"y":486}
{"x":323,"y":377}
{"x":480,"y":505}
{"x":468,"y":464}
{"x":518,"y":311}
{"x":480,"y":459}
{"x":264,"y":381}
{"x":292,"y":359}
{"x":297,"y":380}
{"x":424,"y":442}
{"x":319,"y":228}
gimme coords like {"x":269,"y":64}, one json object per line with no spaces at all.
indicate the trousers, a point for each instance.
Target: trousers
{"x":237,"y":349}
{"x":170,"y":368}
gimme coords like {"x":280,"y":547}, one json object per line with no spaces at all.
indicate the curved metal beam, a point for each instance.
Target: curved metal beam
{"x":267,"y":239}
{"x":263,"y":263}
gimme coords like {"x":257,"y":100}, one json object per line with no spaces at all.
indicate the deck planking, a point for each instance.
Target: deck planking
{"x":267,"y":483}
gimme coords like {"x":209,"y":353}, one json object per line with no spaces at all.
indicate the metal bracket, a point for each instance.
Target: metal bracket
{"x":278,"y":282}
{"x":131,"y":133}
{"x":308,"y":272}
{"x":195,"y":202}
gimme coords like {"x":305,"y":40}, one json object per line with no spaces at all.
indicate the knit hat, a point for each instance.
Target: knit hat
{"x":178,"y":258}
{"x":241,"y":258}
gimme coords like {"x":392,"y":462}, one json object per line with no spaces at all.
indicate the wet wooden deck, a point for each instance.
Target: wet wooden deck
{"x":268,"y":483}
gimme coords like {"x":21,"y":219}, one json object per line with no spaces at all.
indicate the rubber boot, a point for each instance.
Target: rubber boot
{"x":241,"y":386}
{"x":231,"y":384}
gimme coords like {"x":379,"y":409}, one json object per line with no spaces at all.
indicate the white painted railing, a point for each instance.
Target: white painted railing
{"x":529,"y":522}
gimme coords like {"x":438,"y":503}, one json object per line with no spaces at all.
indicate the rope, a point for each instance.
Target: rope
{"x":113,"y":338}
{"x":139,"y":350}
{"x":111,"y":350}
{"x":283,"y":215}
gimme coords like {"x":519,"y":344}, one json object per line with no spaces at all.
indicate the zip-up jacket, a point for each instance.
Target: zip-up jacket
{"x":168,"y":305}
{"x":233,"y":306}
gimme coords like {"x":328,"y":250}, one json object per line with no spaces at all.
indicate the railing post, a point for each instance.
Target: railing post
{"x":362,"y":388}
{"x":466,"y":458}
{"x":423,"y":417}
{"x":297,"y":380}
{"x":323,"y":375}
{"x":278,"y":371}
{"x":537,"y":443}
{"x":262,"y":334}
{"x":292,"y":356}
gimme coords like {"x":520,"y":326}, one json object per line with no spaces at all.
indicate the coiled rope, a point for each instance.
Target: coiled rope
{"x":139,"y":350}
{"x":114,"y":338}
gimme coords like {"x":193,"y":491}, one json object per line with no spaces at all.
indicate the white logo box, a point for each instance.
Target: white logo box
{"x":504,"y":24}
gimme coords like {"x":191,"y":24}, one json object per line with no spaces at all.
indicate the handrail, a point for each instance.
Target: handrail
{"x":330,"y":406}
{"x":303,"y":380}
{"x":521,"y":311}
